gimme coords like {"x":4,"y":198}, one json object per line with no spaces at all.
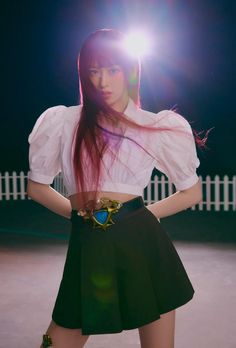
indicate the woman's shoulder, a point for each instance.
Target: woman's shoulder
{"x":166,"y":115}
{"x":73,"y":111}
{"x":169,"y":119}
{"x":52,"y":120}
{"x":59,"y":112}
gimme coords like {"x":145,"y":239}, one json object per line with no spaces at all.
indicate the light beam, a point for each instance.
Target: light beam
{"x":137,"y":43}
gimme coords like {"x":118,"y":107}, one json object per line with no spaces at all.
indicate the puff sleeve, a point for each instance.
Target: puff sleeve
{"x":44,"y":149}
{"x":176,"y":151}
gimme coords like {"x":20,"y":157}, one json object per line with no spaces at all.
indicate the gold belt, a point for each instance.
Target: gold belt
{"x":101,"y":215}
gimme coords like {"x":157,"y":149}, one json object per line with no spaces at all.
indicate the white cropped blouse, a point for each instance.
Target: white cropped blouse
{"x":171,"y":152}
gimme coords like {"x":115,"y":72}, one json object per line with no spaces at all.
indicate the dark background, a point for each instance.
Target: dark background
{"x":192,"y":66}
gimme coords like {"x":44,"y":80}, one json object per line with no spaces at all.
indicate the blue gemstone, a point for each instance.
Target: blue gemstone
{"x":101,"y":216}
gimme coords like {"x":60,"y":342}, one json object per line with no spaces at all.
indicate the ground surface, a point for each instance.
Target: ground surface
{"x":33,"y":244}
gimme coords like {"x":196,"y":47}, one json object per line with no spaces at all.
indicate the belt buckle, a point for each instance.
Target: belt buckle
{"x":101,"y":216}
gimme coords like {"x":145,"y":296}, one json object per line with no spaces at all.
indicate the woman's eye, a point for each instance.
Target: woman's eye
{"x":114,"y":70}
{"x":93,"y":72}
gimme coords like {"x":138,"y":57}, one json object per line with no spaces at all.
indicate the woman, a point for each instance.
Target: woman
{"x":121,"y":271}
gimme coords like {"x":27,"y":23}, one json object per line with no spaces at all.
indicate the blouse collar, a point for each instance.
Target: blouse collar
{"x":131,"y":109}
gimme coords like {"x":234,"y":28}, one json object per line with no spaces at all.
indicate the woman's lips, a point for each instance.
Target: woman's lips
{"x":106,"y":94}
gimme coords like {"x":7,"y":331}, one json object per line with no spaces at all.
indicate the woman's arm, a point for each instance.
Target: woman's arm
{"x":49,"y":198}
{"x":177,"y":202}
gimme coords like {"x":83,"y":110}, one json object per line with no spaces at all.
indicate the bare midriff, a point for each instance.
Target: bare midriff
{"x":76,"y":198}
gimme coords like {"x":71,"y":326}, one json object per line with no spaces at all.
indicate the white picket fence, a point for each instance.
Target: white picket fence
{"x":219,"y":194}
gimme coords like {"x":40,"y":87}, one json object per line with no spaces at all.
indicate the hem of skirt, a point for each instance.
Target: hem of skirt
{"x":124,"y":328}
{"x":109,"y":331}
{"x":180,"y":304}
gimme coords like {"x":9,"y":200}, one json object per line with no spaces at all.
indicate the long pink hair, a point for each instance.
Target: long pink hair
{"x":91,"y":140}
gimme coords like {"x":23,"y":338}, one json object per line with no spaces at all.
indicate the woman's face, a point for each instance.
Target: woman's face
{"x":111,"y":85}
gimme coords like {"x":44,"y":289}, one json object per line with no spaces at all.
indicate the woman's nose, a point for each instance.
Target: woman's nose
{"x":104,"y":79}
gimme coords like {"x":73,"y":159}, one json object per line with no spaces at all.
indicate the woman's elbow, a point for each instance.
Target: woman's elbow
{"x":196,"y":192}
{"x":34,"y":188}
{"x":198,"y":197}
{"x":29,"y":188}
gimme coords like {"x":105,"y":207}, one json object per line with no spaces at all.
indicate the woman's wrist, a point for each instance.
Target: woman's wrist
{"x":152,"y":209}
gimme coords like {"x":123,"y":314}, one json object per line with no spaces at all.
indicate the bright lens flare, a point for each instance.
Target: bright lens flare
{"x":137,"y":44}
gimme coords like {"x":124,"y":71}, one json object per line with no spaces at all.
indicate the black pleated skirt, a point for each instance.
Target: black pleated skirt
{"x":121,"y":278}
